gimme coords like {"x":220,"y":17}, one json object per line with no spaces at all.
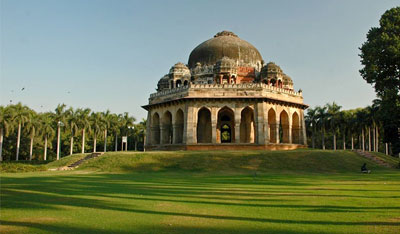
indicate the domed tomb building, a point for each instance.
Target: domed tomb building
{"x":226,"y":97}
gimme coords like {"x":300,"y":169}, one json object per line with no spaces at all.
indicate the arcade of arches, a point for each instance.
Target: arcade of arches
{"x":235,"y":124}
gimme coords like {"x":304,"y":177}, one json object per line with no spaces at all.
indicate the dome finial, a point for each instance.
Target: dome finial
{"x":225,"y":33}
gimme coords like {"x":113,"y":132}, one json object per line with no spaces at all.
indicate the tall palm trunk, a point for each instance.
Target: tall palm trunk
{"x":58,"y":142}
{"x":83,"y":141}
{"x":344,"y":141}
{"x":135,"y":145}
{"x":116,"y":142}
{"x":374,"y":137}
{"x":363,"y":140}
{"x":122,"y":144}
{"x":1,"y":144}
{"x":94,"y":143}
{"x":45,"y":148}
{"x":334,"y":141}
{"x":369,"y":138}
{"x":313,"y":137}
{"x":377,"y":138}
{"x":323,"y":138}
{"x":31,"y":149}
{"x":105,"y":140}
{"x":71,"y":145}
{"x":352,"y":142}
{"x":18,"y":141}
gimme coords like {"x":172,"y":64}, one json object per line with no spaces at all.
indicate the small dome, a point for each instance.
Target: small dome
{"x":225,"y":44}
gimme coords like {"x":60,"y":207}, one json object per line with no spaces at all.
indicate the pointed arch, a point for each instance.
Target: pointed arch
{"x":178,"y":83}
{"x":296,"y":130}
{"x":204,"y":126}
{"x":272,"y":125}
{"x":166,"y":128}
{"x":284,"y":127}
{"x":247,"y":127}
{"x":226,"y":125}
{"x":155,"y":129}
{"x":179,"y":126}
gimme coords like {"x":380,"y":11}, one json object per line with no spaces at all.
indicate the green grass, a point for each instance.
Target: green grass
{"x":205,"y":192}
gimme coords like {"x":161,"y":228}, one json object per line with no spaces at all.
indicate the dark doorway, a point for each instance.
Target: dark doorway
{"x":226,"y":134}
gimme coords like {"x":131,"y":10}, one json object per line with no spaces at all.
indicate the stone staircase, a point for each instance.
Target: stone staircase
{"x":368,"y":155}
{"x":80,"y":161}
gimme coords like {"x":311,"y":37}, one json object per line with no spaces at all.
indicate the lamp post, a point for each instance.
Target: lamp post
{"x":59,"y":125}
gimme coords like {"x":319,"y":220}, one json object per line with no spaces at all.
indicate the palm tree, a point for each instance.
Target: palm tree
{"x":361,"y":116}
{"x":83,"y":124}
{"x":72,"y":119}
{"x":47,"y":130}
{"x":96,"y":123}
{"x":312,"y":119}
{"x":127,"y":123}
{"x":59,"y":116}
{"x":333,"y":111}
{"x":5,"y":125}
{"x":115,"y":125}
{"x":322,"y":116}
{"x":21,"y":115}
{"x":107,"y":118}
{"x":32,"y":128}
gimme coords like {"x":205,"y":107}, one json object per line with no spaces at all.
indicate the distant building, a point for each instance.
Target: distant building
{"x":225,"y":98}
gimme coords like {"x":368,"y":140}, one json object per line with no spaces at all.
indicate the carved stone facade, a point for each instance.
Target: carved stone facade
{"x":226,"y":98}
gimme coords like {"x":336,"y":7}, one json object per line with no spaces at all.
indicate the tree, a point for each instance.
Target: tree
{"x":312,"y":119}
{"x":59,"y":117}
{"x":115,"y":125}
{"x":72,"y":119}
{"x":21,"y":115}
{"x":47,"y":131}
{"x":83,"y":124}
{"x":107,"y":119}
{"x":380,"y":57}
{"x":127,"y":123}
{"x":97,"y":125}
{"x":333,"y":111}
{"x":32,"y":128}
{"x":322,"y":116}
{"x":5,"y":126}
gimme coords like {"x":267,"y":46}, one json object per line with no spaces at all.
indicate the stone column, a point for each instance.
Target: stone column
{"x":237,"y":124}
{"x":162,"y":133}
{"x":266,"y":125}
{"x":290,"y":134}
{"x":214,"y":119}
{"x":303,"y":128}
{"x":185,"y":124}
{"x":148,"y":130}
{"x":191,"y":126}
{"x":259,"y":124}
{"x":277,"y":131}
{"x":174,"y":133}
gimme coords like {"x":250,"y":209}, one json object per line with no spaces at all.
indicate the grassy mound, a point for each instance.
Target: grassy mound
{"x":22,"y":166}
{"x":314,"y":161}
{"x":65,"y":161}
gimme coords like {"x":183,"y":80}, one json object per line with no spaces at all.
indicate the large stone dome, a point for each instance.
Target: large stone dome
{"x":225,"y":44}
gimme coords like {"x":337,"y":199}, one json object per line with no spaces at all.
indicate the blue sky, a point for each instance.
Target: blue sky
{"x":110,"y":54}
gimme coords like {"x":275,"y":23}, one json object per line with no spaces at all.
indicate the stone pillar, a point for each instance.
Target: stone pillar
{"x":162,"y":133}
{"x":214,"y":119}
{"x":148,"y":130}
{"x":184,"y":137}
{"x":266,"y":125}
{"x":277,"y":130}
{"x":290,"y":134}
{"x":259,"y":124}
{"x":237,"y":124}
{"x":174,"y":133}
{"x":191,"y":137}
{"x":303,"y":128}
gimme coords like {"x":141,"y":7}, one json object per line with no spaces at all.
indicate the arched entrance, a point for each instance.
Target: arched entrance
{"x":284,"y":127}
{"x":272,"y":126}
{"x":167,"y":128}
{"x":155,"y":129}
{"x":204,"y":126}
{"x":179,"y":127}
{"x":226,"y":133}
{"x":295,"y":128}
{"x":178,"y":83}
{"x":247,"y":131}
{"x":225,"y":125}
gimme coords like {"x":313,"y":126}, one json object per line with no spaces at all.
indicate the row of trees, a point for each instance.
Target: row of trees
{"x":26,"y":134}
{"x":359,"y":128}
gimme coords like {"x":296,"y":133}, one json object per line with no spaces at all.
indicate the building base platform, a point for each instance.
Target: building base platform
{"x":224,"y":146}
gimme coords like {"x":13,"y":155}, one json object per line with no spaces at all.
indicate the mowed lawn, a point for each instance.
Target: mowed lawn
{"x":184,"y":201}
